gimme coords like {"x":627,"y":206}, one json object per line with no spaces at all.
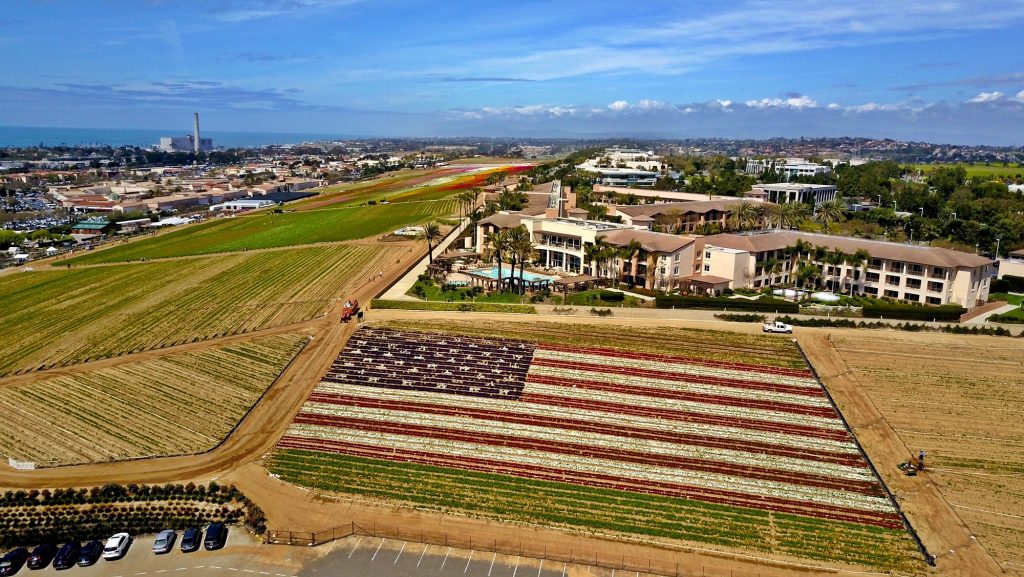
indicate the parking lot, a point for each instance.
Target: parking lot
{"x":357,"y":556}
{"x":241,"y":555}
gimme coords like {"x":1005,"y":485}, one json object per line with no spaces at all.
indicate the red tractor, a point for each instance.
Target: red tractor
{"x":350,"y":310}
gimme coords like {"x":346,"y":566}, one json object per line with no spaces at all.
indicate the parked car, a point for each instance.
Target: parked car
{"x":191,"y":539}
{"x":164,"y":541}
{"x":67,"y":555}
{"x":116,"y":546}
{"x":90,"y":553}
{"x":41,"y":556}
{"x":216,"y":536}
{"x":777,"y":327}
{"x":13,"y":561}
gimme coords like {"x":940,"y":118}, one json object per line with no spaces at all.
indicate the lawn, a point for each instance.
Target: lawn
{"x":179,"y":403}
{"x":598,"y":436}
{"x":268,"y":230}
{"x":1010,"y":298}
{"x":977,"y":170}
{"x":61,"y":317}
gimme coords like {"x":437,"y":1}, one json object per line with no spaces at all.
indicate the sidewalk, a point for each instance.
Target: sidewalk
{"x":983,"y":318}
{"x":397,"y":291}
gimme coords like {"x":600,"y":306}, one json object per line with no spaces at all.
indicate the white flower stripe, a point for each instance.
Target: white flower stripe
{"x":758,"y":395}
{"x":533,"y":409}
{"x":693,"y":406}
{"x":684,"y":368}
{"x":611,"y":442}
{"x":521,"y":457}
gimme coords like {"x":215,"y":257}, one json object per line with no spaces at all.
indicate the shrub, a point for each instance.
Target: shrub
{"x":912,"y":312}
{"x":694,"y":302}
{"x":601,"y":312}
{"x":742,"y":317}
{"x":1008,"y":284}
{"x":446,"y":306}
{"x":611,"y":296}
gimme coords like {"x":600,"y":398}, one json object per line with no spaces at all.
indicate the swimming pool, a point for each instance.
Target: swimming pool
{"x":507,"y":271}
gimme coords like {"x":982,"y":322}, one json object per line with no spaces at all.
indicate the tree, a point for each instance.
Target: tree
{"x":836,"y":259}
{"x":744,"y":215}
{"x":497,"y":247}
{"x":806,"y":273}
{"x":520,"y":246}
{"x":829,"y":212}
{"x":858,"y":260}
{"x":632,"y":252}
{"x":431,"y":233}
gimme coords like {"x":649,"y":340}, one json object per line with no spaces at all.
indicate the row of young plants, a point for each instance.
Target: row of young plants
{"x":33,"y":517}
{"x":716,"y":303}
{"x":453,"y":306}
{"x":595,"y":509}
{"x":853,"y":324}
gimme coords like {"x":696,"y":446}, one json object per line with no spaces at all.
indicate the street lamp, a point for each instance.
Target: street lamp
{"x":911,"y":232}
{"x":894,"y":206}
{"x":879,"y":201}
{"x":922,"y":212}
{"x":997,"y":246}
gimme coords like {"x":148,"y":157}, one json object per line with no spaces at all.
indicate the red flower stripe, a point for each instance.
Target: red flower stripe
{"x":731,"y":498}
{"x":686,"y":416}
{"x":684,"y":360}
{"x":593,"y":427}
{"x":681,"y":377}
{"x":642,"y":390}
{"x":577,"y":449}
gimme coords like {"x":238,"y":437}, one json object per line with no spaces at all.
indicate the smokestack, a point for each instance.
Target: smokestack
{"x":195,"y":137}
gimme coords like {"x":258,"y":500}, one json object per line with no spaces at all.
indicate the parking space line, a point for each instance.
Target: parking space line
{"x":354,"y":547}
{"x":492,"y":564}
{"x":382,"y":544}
{"x":514,"y":571}
{"x":445,"y":558}
{"x":425,"y":547}
{"x":402,"y":550}
{"x":541,"y":568}
{"x":181,"y":568}
{"x":468,"y":561}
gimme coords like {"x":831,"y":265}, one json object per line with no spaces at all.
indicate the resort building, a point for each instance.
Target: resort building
{"x":786,"y":192}
{"x":625,"y":177}
{"x":787,"y":168}
{"x":656,"y":261}
{"x":928,"y":275}
{"x":1013,"y":266}
{"x":678,"y":217}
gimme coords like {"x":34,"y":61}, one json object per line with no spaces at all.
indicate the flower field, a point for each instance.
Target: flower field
{"x":676,"y":446}
{"x":268,"y":230}
{"x":175,"y":404}
{"x":66,"y":317}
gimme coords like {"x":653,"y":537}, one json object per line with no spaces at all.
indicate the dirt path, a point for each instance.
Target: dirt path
{"x":941,"y":530}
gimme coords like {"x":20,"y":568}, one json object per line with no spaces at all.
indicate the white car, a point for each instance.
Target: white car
{"x":777,"y":327}
{"x":116,"y":546}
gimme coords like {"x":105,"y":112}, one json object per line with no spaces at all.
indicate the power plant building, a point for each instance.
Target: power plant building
{"x":188,"y":143}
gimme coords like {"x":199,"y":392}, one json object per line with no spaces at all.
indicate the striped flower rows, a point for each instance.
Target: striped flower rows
{"x":709,"y":431}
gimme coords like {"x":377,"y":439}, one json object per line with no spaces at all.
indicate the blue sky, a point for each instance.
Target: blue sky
{"x":940,"y":70}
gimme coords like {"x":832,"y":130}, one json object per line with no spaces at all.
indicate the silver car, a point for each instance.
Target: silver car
{"x":164,"y":541}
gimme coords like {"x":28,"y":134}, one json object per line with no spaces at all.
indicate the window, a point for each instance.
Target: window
{"x":707,"y":254}
{"x":913,"y":283}
{"x":675,"y":270}
{"x":892,"y":280}
{"x":935,"y":287}
{"x":870,"y":290}
{"x":911,"y":297}
{"x":875,"y":264}
{"x":676,"y":257}
{"x":707,"y":268}
{"x":939,"y":272}
{"x":896,"y":266}
{"x":871,"y":277}
{"x":916,"y":269}
{"x":757,"y":284}
{"x":892,"y":294}
{"x":933,"y":300}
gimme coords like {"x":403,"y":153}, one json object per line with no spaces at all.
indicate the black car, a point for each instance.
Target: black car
{"x":41,"y":556}
{"x":191,"y":539}
{"x":67,"y":556}
{"x":216,"y":536}
{"x":90,"y":553}
{"x":13,"y":561}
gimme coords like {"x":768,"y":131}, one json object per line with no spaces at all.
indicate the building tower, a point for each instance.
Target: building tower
{"x":195,"y":137}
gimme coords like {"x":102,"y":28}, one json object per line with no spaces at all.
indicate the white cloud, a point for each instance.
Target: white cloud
{"x":801,"y":101}
{"x":987,"y":97}
{"x":619,"y":105}
{"x":1019,"y":97}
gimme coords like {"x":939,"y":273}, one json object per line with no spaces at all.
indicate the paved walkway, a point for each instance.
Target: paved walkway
{"x":397,"y":291}
{"x":982,"y":318}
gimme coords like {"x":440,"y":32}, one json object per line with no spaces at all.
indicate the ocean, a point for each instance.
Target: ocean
{"x":18,"y":136}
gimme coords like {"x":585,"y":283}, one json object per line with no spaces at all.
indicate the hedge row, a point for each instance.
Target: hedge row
{"x":912,"y":312}
{"x":718,"y":303}
{"x":447,"y":306}
{"x":910,"y":327}
{"x":1008,"y":284}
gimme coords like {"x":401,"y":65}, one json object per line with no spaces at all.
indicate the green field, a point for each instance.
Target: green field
{"x":268,"y":230}
{"x":58,"y":317}
{"x":1010,"y":298}
{"x":577,"y":507}
{"x":976,"y":170}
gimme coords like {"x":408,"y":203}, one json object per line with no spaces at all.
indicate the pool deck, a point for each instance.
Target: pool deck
{"x":397,"y":291}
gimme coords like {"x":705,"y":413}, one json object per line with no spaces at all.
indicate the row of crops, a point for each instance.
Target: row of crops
{"x":269,"y":230}
{"x":179,"y":403}
{"x":65,"y":317}
{"x":668,"y":444}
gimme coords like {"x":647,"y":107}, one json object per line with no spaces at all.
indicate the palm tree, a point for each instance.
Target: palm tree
{"x":806,"y":273}
{"x":745,"y":214}
{"x":632,"y":252}
{"x":792,"y":214}
{"x":520,"y":246}
{"x":859,"y":260}
{"x":828,"y":212}
{"x":497,"y":246}
{"x":431,"y":233}
{"x":836,"y":259}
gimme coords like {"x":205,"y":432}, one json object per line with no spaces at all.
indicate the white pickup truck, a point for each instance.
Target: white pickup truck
{"x":777,"y":327}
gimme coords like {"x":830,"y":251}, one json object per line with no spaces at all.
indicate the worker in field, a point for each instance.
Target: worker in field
{"x":920,"y":460}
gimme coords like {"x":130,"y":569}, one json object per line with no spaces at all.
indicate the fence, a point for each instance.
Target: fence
{"x":613,"y":557}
